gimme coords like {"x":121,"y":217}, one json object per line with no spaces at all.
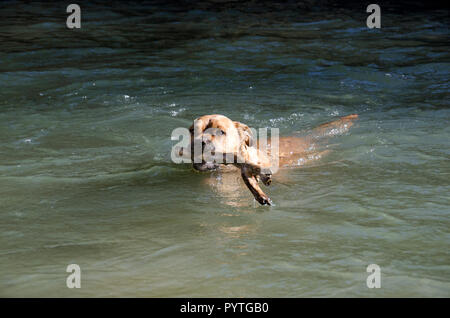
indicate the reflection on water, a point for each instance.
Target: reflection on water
{"x":85,"y":173}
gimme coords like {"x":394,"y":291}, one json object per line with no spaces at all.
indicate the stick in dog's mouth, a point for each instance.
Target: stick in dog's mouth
{"x":251,"y":181}
{"x":252,"y":174}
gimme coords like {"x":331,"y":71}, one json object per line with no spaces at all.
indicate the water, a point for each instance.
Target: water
{"x":85,"y":171}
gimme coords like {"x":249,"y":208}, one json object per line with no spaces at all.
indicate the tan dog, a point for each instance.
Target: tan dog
{"x":217,"y":140}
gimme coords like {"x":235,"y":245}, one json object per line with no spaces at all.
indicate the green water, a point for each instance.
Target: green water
{"x":86,"y":177}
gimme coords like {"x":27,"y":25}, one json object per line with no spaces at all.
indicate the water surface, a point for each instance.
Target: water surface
{"x":85,"y":171}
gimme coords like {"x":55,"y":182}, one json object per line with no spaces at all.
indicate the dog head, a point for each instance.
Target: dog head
{"x":213,"y":138}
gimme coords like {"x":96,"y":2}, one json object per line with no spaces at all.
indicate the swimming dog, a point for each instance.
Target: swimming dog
{"x":217,"y":140}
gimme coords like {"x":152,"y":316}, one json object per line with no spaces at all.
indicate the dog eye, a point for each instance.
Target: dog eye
{"x":221,"y":132}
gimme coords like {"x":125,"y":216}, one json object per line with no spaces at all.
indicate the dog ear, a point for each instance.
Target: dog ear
{"x":199,"y":126}
{"x":245,"y":133}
